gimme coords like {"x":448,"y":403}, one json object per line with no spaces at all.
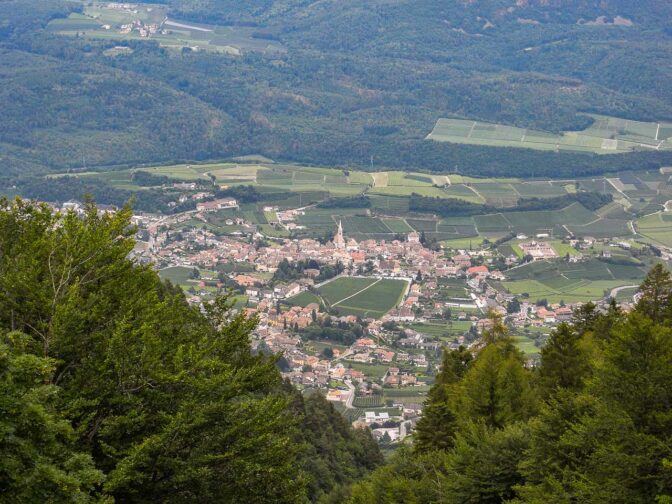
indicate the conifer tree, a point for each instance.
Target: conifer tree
{"x":564,"y":363}
{"x":656,"y":293}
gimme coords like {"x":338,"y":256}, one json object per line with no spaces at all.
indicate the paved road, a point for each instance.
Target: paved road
{"x":614,"y":292}
{"x":351,"y":397}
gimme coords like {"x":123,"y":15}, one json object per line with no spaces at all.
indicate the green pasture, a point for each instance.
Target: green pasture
{"x":526,"y":345}
{"x":177,"y":275}
{"x":375,"y":371}
{"x":303,"y":299}
{"x":335,"y":291}
{"x":365,"y":297}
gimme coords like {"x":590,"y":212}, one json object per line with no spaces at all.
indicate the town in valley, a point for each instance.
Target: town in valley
{"x":364,"y":318}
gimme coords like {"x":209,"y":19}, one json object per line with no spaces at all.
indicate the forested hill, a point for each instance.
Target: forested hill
{"x":114,"y":389}
{"x":649,"y":12}
{"x":354,"y":80}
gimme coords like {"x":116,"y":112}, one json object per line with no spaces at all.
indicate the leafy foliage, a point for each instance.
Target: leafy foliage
{"x":123,"y":389}
{"x":39,"y":459}
{"x":337,"y":453}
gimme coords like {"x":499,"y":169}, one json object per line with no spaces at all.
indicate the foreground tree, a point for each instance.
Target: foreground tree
{"x":656,"y":293}
{"x":564,"y":361}
{"x":438,"y":425}
{"x":170,"y":403}
{"x":39,"y":461}
{"x":609,"y":443}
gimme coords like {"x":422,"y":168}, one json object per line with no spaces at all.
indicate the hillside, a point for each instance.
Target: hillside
{"x":345,"y":81}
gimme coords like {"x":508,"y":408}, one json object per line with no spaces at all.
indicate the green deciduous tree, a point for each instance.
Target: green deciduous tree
{"x":39,"y":461}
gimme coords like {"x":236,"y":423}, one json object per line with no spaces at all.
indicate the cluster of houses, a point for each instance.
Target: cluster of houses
{"x":411,"y":353}
{"x":144,"y":30}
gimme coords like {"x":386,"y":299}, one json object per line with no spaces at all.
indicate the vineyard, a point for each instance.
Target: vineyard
{"x":374,"y":401}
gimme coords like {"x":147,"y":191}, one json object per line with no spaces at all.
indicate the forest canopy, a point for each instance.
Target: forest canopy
{"x":358,"y":84}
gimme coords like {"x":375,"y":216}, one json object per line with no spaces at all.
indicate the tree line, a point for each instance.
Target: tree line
{"x":453,"y":207}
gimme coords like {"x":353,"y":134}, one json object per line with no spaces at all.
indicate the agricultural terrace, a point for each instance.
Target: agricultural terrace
{"x":607,"y":135}
{"x":364,"y":297}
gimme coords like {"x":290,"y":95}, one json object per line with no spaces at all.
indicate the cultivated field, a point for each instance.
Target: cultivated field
{"x":607,"y":135}
{"x":656,"y":228}
{"x":375,"y":301}
{"x":570,"y":282}
{"x":365,"y":297}
{"x":291,"y":186}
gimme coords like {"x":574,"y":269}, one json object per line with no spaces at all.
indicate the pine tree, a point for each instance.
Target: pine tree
{"x":497,"y":389}
{"x":609,"y":443}
{"x":564,"y":363}
{"x":437,"y":427}
{"x":656,"y":293}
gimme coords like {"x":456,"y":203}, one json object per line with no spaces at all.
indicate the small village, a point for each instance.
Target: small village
{"x":375,"y":370}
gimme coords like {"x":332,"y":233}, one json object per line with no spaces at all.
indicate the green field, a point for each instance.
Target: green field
{"x":526,"y":345}
{"x":375,"y":371}
{"x":656,"y":228}
{"x":443,"y":330}
{"x":397,"y":225}
{"x":570,"y":282}
{"x":340,"y":288}
{"x":364,"y":297}
{"x":607,"y":135}
{"x":375,"y":401}
{"x":375,"y":301}
{"x":304,"y":299}
{"x":178,"y":275}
